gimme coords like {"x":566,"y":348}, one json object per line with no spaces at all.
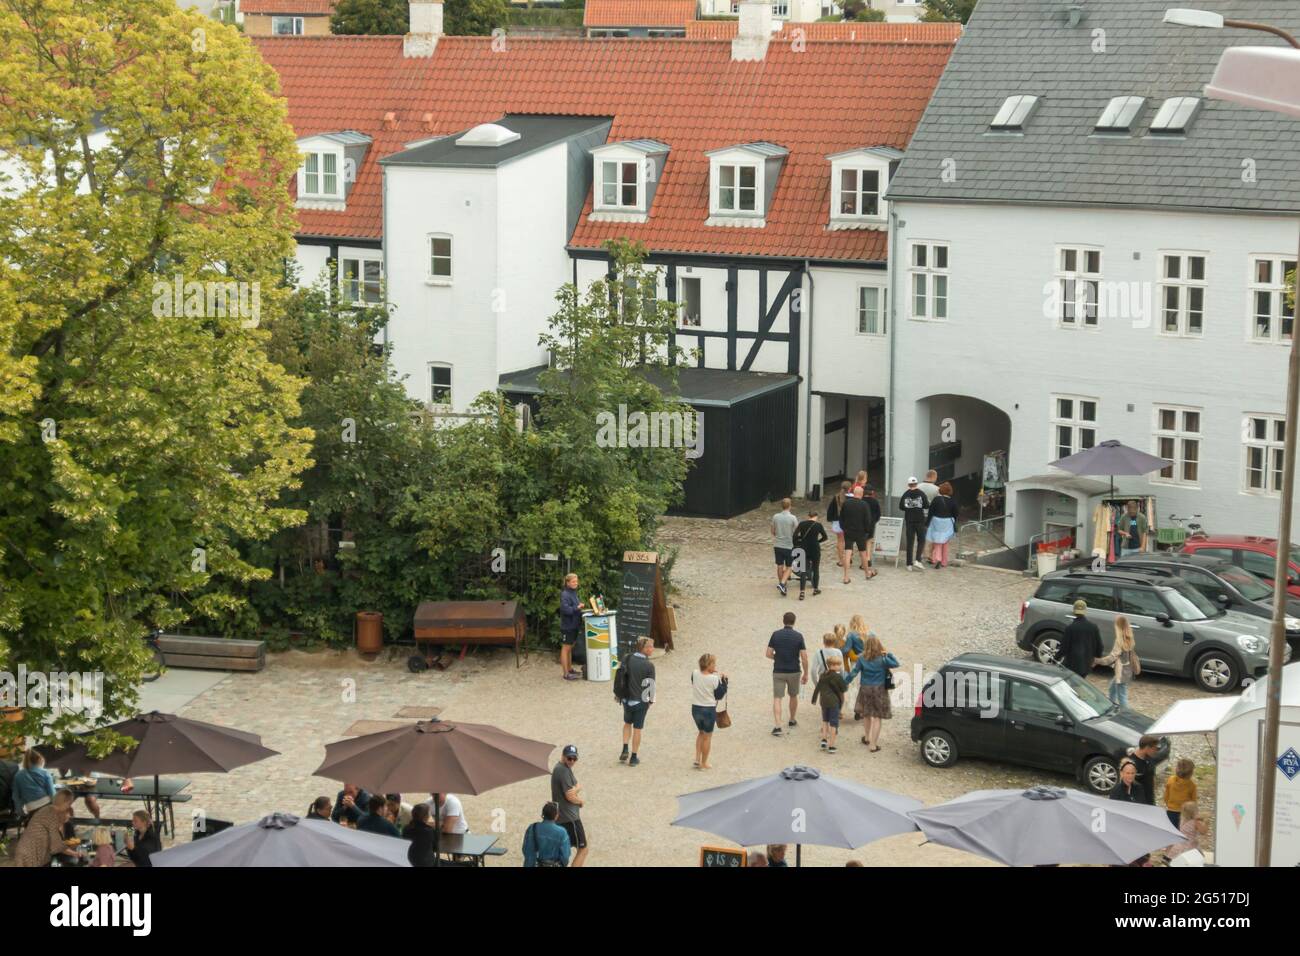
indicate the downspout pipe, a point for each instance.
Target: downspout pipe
{"x":807,"y":442}
{"x":892,"y":265}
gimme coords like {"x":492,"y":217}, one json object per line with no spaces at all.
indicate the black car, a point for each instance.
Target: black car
{"x":1024,"y":712}
{"x":1232,"y":587}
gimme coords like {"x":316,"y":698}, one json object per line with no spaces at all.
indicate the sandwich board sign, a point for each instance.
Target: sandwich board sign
{"x":889,"y":538}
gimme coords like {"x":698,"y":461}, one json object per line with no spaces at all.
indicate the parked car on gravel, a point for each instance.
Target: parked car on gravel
{"x":1024,"y":712}
{"x":1257,"y":555}
{"x":1178,"y":630}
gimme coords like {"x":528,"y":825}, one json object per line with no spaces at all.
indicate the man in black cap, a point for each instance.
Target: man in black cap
{"x":566,"y":793}
{"x":1081,"y":642}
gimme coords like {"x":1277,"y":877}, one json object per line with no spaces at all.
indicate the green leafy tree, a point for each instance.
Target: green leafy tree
{"x":955,"y":11}
{"x":862,"y":12}
{"x":144,"y":434}
{"x":466,"y":18}
{"x":370,"y":18}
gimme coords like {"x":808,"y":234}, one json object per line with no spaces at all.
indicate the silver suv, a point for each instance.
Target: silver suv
{"x":1178,"y":630}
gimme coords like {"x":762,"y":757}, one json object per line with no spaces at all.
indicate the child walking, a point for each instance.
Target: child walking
{"x":1180,"y":789}
{"x":830,"y":690}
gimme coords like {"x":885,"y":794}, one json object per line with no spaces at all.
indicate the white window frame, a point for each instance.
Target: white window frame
{"x":882,"y":310}
{"x":1070,"y":282}
{"x":1179,"y":438}
{"x":1275,"y":289}
{"x":859,"y":172}
{"x":737,"y":167}
{"x":305,"y":174}
{"x":1272,"y":446}
{"x":297,"y":24}
{"x":1182,"y":286}
{"x":928,"y":277}
{"x":1073,"y":421}
{"x":780,"y":9}
{"x":451,"y":381}
{"x":620,"y":164}
{"x":682,"y":320}
{"x":431,"y":277}
{"x":361,"y":280}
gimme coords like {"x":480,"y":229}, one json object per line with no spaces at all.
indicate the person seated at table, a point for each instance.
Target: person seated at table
{"x":546,"y":843}
{"x":423,"y":837}
{"x":142,"y":840}
{"x":450,"y":814}
{"x":376,"y":820}
{"x":320,"y":809}
{"x":350,"y":805}
{"x":42,"y":840}
{"x":32,"y":782}
{"x":105,"y":851}
{"x":398,"y":810}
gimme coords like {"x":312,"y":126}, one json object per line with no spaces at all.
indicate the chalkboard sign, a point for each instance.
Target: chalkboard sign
{"x":642,"y":611}
{"x":889,"y":536}
{"x":723,"y":856}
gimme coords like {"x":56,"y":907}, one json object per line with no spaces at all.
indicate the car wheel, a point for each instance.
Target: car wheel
{"x":938,"y":749}
{"x":1100,"y":774}
{"x":1216,"y":672}
{"x":1047,"y":648}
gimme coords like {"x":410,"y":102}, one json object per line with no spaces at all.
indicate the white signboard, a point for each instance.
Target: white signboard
{"x":889,"y":537}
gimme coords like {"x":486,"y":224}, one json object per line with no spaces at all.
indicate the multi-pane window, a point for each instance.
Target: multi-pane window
{"x":1178,"y":439}
{"x":619,"y":185}
{"x":361,"y":280}
{"x":1074,"y":424}
{"x":440,"y":257}
{"x":781,"y":9}
{"x":1263,"y":443}
{"x":440,"y":384}
{"x":320,"y":174}
{"x":859,"y":192}
{"x":871,"y":310}
{"x":737,"y":188}
{"x":1272,"y":317}
{"x":928,"y":284}
{"x":1182,"y":294}
{"x":690,"y":302}
{"x":1078,"y":276}
{"x":287,"y":26}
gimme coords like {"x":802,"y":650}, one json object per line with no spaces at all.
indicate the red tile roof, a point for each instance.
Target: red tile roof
{"x":836,"y":30}
{"x":638,"y":13}
{"x":829,"y":97}
{"x":296,"y":8}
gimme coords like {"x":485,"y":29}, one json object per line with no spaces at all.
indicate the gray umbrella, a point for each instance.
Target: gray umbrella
{"x":797,"y":805}
{"x":282,"y":839}
{"x":1047,"y":825}
{"x":1111,"y":458}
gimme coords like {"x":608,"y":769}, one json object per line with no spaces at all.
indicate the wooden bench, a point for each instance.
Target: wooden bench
{"x":493,"y":623}
{"x":212,"y":653}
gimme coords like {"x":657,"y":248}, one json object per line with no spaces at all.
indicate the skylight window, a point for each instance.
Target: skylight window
{"x":1119,"y":114}
{"x":1175,"y":114}
{"x":488,"y":135}
{"x":1014,"y":113}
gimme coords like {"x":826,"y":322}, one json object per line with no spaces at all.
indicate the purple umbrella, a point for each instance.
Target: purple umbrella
{"x":1111,"y":458}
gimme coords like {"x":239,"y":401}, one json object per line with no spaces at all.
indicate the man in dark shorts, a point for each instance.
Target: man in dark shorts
{"x":566,"y":793}
{"x":808,"y":538}
{"x":641,"y":680}
{"x":855,"y":519}
{"x":789,"y":656}
{"x":570,"y":625}
{"x":783,"y":525}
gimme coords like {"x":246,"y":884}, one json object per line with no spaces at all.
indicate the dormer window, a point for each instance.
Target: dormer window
{"x":321,"y":175}
{"x":329,"y":168}
{"x":625,"y":176}
{"x":859,"y":192}
{"x":619,"y":186}
{"x":742,"y":180}
{"x":859,"y":179}
{"x":736,"y":188}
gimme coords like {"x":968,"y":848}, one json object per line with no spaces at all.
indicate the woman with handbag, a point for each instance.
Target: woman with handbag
{"x":872,"y":705}
{"x":708,"y":706}
{"x":1123,"y":657}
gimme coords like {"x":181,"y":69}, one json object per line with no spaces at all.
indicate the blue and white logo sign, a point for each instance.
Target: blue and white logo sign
{"x":1289,"y":763}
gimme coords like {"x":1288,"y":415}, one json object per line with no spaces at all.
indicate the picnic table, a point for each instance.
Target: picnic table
{"x":160,"y":805}
{"x":471,"y":845}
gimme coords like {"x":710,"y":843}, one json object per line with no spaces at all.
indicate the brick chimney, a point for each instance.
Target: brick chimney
{"x":426,"y":27}
{"x":754,"y":32}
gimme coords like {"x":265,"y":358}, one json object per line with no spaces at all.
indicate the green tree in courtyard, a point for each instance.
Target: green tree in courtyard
{"x":958,"y":11}
{"x":370,"y":17}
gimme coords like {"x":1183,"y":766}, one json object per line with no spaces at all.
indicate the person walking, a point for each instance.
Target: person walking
{"x":641,"y":684}
{"x":854,"y":640}
{"x":570,"y":625}
{"x":1143,"y":758}
{"x":820,"y":661}
{"x":941,"y":525}
{"x":784,"y":524}
{"x":1192,"y":827}
{"x":831,"y":689}
{"x":1123,"y":657}
{"x":1131,"y":528}
{"x":808,"y":538}
{"x":833,"y":516}
{"x":1128,"y":789}
{"x":929,"y":486}
{"x":860,"y":483}
{"x":874,"y":683}
{"x":855,"y":519}
{"x":1179,"y":789}
{"x":566,"y":793}
{"x":546,"y":843}
{"x":914,"y":504}
{"x":789,"y":656}
{"x":708,"y":688}
{"x":1081,"y":642}
{"x":873,"y":505}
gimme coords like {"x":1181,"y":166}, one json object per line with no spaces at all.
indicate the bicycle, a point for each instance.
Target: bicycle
{"x":152,"y":673}
{"x":1183,"y":527}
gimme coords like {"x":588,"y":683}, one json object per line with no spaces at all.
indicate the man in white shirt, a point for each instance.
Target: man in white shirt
{"x":450,"y":814}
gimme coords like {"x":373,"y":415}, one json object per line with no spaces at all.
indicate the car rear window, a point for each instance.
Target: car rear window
{"x":1060,"y":591}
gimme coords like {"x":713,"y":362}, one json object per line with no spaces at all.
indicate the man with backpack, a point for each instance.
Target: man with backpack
{"x":634,"y":686}
{"x":545,"y":842}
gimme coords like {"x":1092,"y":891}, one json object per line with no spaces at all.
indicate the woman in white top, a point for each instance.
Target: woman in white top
{"x":708,"y":687}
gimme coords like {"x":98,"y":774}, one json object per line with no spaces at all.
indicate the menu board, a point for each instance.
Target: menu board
{"x":889,"y":535}
{"x":722,"y":856}
{"x":642,"y":611}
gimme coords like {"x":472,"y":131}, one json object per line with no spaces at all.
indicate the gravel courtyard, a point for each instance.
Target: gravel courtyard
{"x":727,"y":604}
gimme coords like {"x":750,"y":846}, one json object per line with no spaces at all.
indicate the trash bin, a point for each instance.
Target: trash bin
{"x":599,"y":635}
{"x":1046,"y":562}
{"x":370,"y":634}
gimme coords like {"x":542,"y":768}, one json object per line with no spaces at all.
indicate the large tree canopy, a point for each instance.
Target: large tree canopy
{"x":391,"y":17}
{"x":142,"y":433}
{"x":949,"y":10}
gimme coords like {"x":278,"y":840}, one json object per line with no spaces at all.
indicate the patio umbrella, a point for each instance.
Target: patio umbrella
{"x":436,"y":756}
{"x":282,"y":839}
{"x":798,"y":805}
{"x":167,"y":744}
{"x":1047,"y":825}
{"x":1111,"y":458}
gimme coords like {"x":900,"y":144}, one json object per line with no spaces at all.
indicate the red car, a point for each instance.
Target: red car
{"x":1254,"y":554}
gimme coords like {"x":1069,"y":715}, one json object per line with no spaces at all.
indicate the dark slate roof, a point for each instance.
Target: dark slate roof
{"x":698,"y":387}
{"x":1027,"y":46}
{"x":535,"y":132}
